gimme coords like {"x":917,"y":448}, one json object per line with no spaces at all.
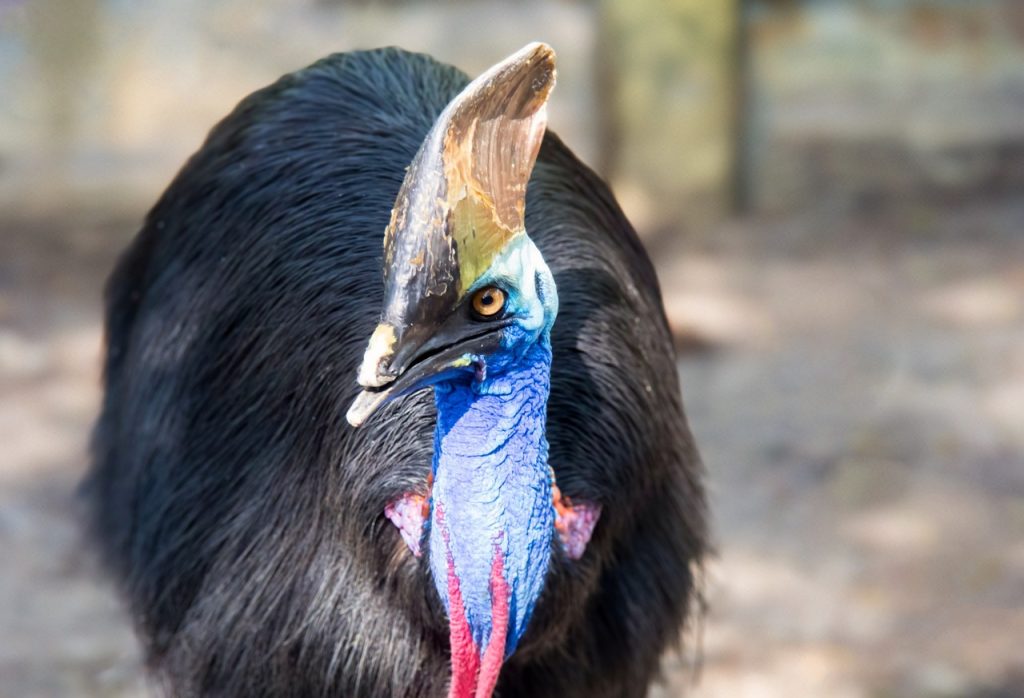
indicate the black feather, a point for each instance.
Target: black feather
{"x":241,"y":512}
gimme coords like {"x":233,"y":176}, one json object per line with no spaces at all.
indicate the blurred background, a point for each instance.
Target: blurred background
{"x":832,"y":193}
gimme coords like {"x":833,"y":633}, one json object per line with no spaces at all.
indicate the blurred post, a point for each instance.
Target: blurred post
{"x":742,"y":166}
{"x":63,"y":44}
{"x":668,"y":78}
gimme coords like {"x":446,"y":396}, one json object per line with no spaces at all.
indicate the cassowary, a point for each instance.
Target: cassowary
{"x":275,"y":539}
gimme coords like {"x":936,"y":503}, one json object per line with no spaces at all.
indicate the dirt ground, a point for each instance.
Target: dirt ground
{"x":856,"y":387}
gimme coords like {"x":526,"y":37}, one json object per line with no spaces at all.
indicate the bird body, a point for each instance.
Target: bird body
{"x":250,"y":525}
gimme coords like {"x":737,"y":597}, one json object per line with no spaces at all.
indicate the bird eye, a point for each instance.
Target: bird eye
{"x":488,"y":301}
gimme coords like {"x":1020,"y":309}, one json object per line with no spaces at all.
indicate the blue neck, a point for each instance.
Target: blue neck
{"x":492,"y":489}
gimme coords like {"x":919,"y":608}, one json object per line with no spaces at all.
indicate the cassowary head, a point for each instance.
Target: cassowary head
{"x":469,"y":306}
{"x":466,"y":290}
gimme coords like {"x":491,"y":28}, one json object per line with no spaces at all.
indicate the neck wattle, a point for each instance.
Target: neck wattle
{"x":492,"y":515}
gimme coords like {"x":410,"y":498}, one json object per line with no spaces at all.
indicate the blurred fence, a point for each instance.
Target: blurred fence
{"x":866,"y":102}
{"x":692,"y":108}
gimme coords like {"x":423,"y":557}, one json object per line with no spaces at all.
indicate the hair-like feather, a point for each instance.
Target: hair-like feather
{"x":241,"y":513}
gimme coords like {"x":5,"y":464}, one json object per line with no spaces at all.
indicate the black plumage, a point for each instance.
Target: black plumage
{"x":243,"y":515}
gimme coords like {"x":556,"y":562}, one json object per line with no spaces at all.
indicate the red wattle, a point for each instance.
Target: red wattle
{"x":475,"y":675}
{"x":465,"y":653}
{"x":494,"y":655}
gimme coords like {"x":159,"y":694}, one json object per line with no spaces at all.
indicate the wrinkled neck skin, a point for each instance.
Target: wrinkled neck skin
{"x":492,"y":516}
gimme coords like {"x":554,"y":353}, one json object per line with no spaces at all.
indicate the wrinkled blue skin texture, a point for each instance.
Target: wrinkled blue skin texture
{"x":491,"y":476}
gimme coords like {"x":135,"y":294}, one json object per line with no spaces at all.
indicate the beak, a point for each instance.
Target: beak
{"x":462,"y":201}
{"x":389,"y":371}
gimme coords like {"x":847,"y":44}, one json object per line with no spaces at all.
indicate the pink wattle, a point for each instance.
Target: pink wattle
{"x":408,"y":513}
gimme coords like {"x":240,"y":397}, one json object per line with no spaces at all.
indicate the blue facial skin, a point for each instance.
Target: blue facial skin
{"x":491,"y":474}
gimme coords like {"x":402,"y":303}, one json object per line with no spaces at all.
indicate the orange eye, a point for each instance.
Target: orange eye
{"x":488,"y":301}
